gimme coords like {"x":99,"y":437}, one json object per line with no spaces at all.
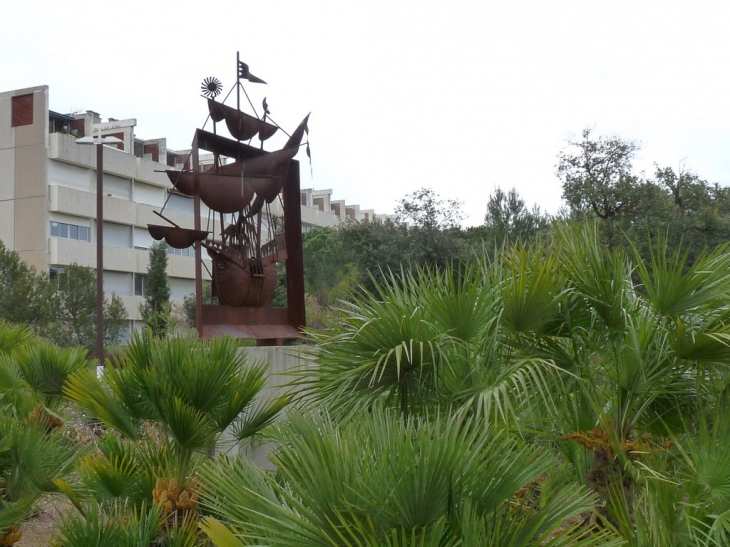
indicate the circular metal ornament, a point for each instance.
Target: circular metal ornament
{"x":211,"y":87}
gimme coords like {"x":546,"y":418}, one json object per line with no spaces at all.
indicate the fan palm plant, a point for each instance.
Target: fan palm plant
{"x":32,"y":458}
{"x":432,"y":339}
{"x":381,"y":480}
{"x":34,"y":452}
{"x":191,"y":390}
{"x":567,"y":342}
{"x":170,"y":400}
{"x":640,"y":359}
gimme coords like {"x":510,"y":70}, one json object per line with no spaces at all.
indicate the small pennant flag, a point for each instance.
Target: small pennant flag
{"x":245,"y":74}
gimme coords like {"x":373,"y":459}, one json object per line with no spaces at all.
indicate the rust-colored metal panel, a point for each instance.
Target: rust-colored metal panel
{"x":240,"y":125}
{"x":218,"y":144}
{"x":179,"y":238}
{"x":220,"y":314}
{"x":248,"y":284}
{"x":296,"y":315}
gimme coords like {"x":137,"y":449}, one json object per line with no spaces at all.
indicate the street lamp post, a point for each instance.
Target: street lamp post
{"x":99,"y":142}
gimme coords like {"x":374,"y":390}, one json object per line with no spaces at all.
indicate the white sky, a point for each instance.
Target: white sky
{"x":458,"y":96}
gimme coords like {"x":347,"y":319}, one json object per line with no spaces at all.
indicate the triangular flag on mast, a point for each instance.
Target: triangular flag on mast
{"x":245,"y":74}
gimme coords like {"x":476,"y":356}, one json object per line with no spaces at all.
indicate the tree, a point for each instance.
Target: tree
{"x":425,"y":209}
{"x":328,"y":262}
{"x":156,"y":308}
{"x":62,"y":309}
{"x":116,"y":320}
{"x":700,"y":209}
{"x":74,"y":318}
{"x":509,"y":220}
{"x":188,"y":307}
{"x":26,"y":297}
{"x":597,"y":175}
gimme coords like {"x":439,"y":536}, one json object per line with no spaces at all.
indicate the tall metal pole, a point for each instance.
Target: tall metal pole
{"x":99,"y":143}
{"x":100,"y":251}
{"x":198,"y":248}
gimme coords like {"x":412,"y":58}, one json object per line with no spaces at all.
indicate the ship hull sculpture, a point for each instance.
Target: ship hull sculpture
{"x":244,"y":257}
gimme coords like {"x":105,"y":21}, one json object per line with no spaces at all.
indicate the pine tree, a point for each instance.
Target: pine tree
{"x":156,"y":308}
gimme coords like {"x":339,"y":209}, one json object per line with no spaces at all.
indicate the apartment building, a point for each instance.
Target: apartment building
{"x":48,"y":196}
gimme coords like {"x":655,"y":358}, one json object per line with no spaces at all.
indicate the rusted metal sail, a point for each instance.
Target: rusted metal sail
{"x":242,"y":126}
{"x":232,"y":187}
{"x":179,"y":238}
{"x":231,"y":194}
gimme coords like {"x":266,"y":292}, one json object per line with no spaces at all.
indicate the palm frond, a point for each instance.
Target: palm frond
{"x":384,"y":347}
{"x":382,"y":480}
{"x":259,"y":416}
{"x":13,"y":336}
{"x":45,"y":367}
{"x":600,"y":276}
{"x":219,"y":533}
{"x":112,"y":526}
{"x":87,"y":390}
{"x":531,"y":289}
{"x":673,"y":287}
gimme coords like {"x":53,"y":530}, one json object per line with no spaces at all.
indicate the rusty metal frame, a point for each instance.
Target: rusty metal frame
{"x":268,"y":325}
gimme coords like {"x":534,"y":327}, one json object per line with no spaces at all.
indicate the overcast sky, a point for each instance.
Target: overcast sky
{"x":458,"y":96}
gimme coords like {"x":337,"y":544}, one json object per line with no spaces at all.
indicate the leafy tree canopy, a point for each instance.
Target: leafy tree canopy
{"x":596,"y":174}
{"x":424,"y":208}
{"x":62,"y":309}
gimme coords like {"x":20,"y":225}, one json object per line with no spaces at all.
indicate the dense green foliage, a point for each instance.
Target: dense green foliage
{"x":558,"y":393}
{"x":340,"y":261}
{"x":599,"y":184}
{"x":62,"y":309}
{"x":532,"y":381}
{"x":553,"y":393}
{"x":35,"y":451}
{"x":598,"y":181}
{"x":155,"y":309}
{"x":159,"y":410}
{"x":75,"y":313}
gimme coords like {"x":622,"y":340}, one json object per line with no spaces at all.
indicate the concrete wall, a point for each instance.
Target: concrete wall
{"x":281,"y":360}
{"x":23,"y":175}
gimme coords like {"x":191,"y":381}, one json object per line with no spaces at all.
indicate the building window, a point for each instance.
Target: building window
{"x":177,"y":202}
{"x":69,"y":231}
{"x":22,"y":110}
{"x":140,"y":282}
{"x":117,"y":235}
{"x":187,"y":251}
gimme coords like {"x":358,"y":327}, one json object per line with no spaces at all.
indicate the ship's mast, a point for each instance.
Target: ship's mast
{"x":238,"y":81}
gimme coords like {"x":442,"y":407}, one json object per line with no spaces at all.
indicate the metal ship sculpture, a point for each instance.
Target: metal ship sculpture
{"x":252,"y":239}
